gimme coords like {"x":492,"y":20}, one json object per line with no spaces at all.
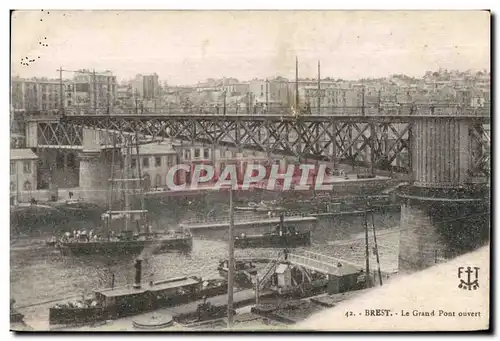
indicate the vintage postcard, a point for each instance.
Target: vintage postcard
{"x":250,"y":170}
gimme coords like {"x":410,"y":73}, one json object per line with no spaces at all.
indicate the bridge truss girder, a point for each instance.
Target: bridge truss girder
{"x":368,"y":143}
{"x":374,"y":142}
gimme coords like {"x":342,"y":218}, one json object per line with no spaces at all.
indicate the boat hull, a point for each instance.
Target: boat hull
{"x":127,"y":247}
{"x":148,"y":302}
{"x":274,"y":241}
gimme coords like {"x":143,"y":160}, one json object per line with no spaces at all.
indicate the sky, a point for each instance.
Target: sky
{"x":185,"y":47}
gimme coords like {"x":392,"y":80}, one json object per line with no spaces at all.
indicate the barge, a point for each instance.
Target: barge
{"x":116,"y":302}
{"x":128,"y":239}
{"x":128,"y":244}
{"x":283,"y":236}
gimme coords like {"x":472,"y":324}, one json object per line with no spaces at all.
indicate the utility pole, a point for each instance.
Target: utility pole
{"x":136,"y":105}
{"x":376,"y":250}
{"x":61,"y":89}
{"x":108,"y":109}
{"x":363,"y":100}
{"x":367,"y":254}
{"x":319,"y":89}
{"x":380,"y":101}
{"x":296,"y":83}
{"x":95,"y":91}
{"x":225,"y":93}
{"x":267,"y":94}
{"x":230,"y":262}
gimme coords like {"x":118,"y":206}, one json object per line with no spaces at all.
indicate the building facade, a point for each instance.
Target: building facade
{"x":155,"y":159}
{"x":146,"y":86}
{"x":93,"y":91}
{"x":273,"y":90}
{"x":23,"y":164}
{"x":38,"y":95}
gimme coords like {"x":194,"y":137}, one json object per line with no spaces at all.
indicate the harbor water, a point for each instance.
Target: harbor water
{"x":40,"y":274}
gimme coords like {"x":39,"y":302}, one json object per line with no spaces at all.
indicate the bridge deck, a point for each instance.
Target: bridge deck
{"x":240,"y":223}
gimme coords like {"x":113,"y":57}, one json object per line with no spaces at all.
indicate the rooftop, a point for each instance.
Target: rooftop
{"x":22,"y":154}
{"x":145,"y":287}
{"x":156,"y":148}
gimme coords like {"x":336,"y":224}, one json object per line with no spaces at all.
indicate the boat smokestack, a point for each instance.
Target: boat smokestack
{"x":138,"y":272}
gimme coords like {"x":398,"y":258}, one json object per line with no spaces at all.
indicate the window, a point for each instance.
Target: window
{"x":27,"y":185}
{"x":145,"y":162}
{"x":187,"y":154}
{"x":70,"y":161}
{"x":170,"y":160}
{"x":27,"y":167}
{"x":12,"y":186}
{"x":196,"y":152}
{"x":12,"y":168}
{"x":133,"y":163}
{"x":158,"y":161}
{"x":147,"y":181}
{"x":205,"y":153}
{"x":158,"y":180}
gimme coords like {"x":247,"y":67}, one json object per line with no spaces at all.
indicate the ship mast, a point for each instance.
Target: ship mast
{"x":140,"y":180}
{"x":128,"y":176}
{"x":230,"y":263}
{"x":126,"y":169}
{"x":107,"y":224}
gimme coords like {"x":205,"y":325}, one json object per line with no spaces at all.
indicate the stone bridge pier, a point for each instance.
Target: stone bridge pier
{"x":444,"y":212}
{"x":95,"y":168}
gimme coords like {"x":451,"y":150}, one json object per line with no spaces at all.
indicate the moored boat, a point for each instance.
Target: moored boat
{"x":283,"y":236}
{"x":116,"y":302}
{"x":128,"y":244}
{"x":128,"y":239}
{"x":245,"y":271}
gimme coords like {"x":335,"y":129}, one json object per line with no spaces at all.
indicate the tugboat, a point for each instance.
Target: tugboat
{"x":125,"y":240}
{"x":116,"y":302}
{"x":282,"y":237}
{"x":244,"y":272}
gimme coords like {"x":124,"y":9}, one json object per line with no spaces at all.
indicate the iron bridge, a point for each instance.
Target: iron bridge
{"x":371,"y":137}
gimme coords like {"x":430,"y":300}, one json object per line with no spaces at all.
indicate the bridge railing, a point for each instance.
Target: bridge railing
{"x":241,"y":218}
{"x":314,"y":263}
{"x":396,"y":110}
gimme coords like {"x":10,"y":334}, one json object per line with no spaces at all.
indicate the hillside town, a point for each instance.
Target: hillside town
{"x":102,"y":92}
{"x":264,"y":190}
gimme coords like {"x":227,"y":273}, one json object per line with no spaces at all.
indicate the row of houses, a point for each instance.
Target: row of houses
{"x":100,"y":92}
{"x":60,"y":169}
{"x":85,"y":90}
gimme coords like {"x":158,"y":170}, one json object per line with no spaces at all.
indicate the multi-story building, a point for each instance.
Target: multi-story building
{"x":38,"y":95}
{"x":272,"y":90}
{"x":330,"y":97}
{"x":94,"y":91}
{"x":23,"y":172}
{"x":146,"y":86}
{"x":237,"y":89}
{"x":155,"y":159}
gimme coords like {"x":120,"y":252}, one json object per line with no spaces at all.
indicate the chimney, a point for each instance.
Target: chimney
{"x":138,"y":269}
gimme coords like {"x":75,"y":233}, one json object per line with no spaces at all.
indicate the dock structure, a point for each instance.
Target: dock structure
{"x":247,"y":220}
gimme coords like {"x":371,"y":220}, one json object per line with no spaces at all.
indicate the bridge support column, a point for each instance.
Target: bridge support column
{"x":94,"y":175}
{"x":444,"y":213}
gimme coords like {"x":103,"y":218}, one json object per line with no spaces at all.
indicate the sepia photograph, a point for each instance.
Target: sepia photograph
{"x":244,"y":170}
